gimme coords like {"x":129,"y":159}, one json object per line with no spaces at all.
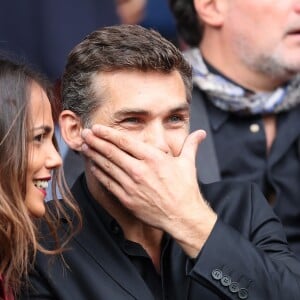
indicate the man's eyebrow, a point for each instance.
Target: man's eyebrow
{"x":183,"y":107}
{"x":128,"y":111}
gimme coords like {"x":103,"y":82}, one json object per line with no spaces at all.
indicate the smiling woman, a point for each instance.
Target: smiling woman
{"x":29,"y":159}
{"x":42,"y":154}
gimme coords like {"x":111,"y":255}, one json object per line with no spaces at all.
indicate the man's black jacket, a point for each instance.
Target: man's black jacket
{"x":245,"y":257}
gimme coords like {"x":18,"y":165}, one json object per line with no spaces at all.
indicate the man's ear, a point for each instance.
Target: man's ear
{"x":70,"y":126}
{"x":211,"y":11}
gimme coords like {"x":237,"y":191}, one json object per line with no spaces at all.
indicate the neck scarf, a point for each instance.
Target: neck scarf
{"x":228,"y":96}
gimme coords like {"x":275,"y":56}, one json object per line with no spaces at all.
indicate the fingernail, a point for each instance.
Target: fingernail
{"x":84,"y":132}
{"x":84,"y":147}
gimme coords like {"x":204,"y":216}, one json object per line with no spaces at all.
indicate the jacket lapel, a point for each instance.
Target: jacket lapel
{"x":96,"y":240}
{"x":206,"y":159}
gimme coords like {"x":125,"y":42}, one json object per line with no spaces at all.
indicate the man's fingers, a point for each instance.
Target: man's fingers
{"x":109,"y":183}
{"x":106,"y":155}
{"x":133,"y":147}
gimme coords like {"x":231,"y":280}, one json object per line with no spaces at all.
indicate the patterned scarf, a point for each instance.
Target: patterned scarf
{"x":230,"y":97}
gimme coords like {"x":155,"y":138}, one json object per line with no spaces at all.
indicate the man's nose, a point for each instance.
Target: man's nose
{"x":156,"y":136}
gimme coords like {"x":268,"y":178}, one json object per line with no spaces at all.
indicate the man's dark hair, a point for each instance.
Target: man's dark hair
{"x":187,"y":22}
{"x":117,"y":48}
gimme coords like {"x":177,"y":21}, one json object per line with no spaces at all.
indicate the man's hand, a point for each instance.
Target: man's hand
{"x":159,"y":189}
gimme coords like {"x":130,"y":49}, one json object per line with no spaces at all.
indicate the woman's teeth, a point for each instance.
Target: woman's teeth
{"x":41,"y":184}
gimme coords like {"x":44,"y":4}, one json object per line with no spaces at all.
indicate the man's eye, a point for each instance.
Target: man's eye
{"x":175,"y":118}
{"x":131,"y":120}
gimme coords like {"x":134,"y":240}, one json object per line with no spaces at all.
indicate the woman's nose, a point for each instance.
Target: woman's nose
{"x":54,"y":159}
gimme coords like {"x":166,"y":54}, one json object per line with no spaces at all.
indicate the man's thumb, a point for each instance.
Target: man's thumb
{"x":191,"y":144}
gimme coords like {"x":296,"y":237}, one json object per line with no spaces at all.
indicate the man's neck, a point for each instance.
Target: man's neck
{"x":134,"y":229}
{"x":148,"y":237}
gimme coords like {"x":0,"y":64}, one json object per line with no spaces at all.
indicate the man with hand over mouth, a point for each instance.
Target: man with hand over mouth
{"x":150,"y":229}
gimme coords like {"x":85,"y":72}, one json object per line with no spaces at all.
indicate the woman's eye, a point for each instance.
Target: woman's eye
{"x":38,"y":138}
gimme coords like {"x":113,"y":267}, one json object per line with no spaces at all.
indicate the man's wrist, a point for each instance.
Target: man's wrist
{"x":191,"y":234}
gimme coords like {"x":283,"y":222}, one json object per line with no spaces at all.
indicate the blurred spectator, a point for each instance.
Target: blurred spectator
{"x":246,"y":66}
{"x":150,"y":14}
{"x":131,"y":11}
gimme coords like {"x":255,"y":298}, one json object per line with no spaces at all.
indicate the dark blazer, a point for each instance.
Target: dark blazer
{"x":245,"y":257}
{"x":232,"y":151}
